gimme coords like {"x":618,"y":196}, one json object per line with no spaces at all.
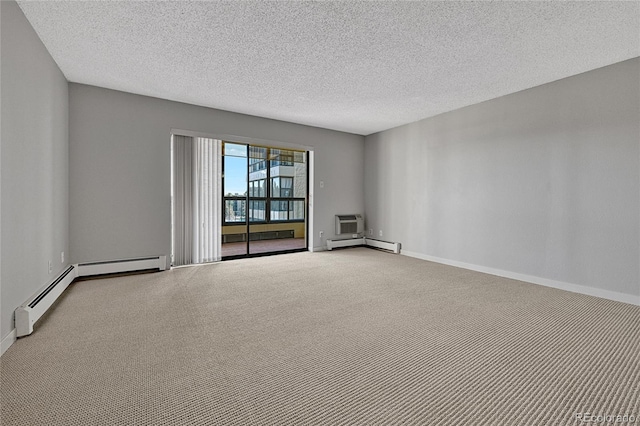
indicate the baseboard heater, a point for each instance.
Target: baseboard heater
{"x":385,"y":245}
{"x":37,"y":305}
{"x":331,"y":244}
{"x":33,"y":309}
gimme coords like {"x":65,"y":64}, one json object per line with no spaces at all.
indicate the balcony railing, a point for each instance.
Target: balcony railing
{"x":262,"y":210}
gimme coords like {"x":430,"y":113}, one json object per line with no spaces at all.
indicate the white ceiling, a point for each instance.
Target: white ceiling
{"x":355,"y":66}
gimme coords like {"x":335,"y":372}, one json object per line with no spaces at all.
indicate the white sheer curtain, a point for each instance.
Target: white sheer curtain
{"x":196,"y":200}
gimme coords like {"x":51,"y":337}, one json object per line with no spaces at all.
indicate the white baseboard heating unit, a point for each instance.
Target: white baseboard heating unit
{"x":385,"y":245}
{"x":33,"y":309}
{"x":331,"y":244}
{"x":37,"y":305}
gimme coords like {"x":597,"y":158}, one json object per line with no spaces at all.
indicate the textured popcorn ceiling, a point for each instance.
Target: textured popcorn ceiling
{"x":354,"y":66}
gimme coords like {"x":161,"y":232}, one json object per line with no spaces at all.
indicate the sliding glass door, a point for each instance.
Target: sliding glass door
{"x":265,"y":200}
{"x":233,"y":200}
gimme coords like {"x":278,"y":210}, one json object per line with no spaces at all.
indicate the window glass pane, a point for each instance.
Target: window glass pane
{"x":300,"y":180}
{"x":256,"y":210}
{"x":235,"y":176}
{"x":279,"y":210}
{"x":299,"y":157}
{"x":275,"y":163}
{"x":274,"y":153}
{"x":234,"y":210}
{"x":275,"y":187}
{"x":296,"y":210}
{"x":234,"y":150}
{"x":257,"y":152}
{"x":257,"y":189}
{"x":286,"y":184}
{"x":283,"y":157}
{"x":288,"y":181}
{"x":256,"y":165}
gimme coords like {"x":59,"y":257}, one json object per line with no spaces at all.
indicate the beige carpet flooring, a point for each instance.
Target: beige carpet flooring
{"x":349,"y":337}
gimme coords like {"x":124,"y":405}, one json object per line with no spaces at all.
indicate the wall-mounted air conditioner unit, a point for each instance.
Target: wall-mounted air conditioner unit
{"x":349,"y":224}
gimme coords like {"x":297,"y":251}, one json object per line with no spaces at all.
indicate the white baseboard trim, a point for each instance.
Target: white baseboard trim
{"x":560,"y":285}
{"x":316,"y":249}
{"x":8,"y":340}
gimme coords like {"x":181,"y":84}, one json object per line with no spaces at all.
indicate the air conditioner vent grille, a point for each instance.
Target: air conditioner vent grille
{"x":349,"y":228}
{"x":349,"y":224}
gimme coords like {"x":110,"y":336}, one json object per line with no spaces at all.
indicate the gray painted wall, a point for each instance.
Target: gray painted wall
{"x":120,"y":168}
{"x":35,"y":147}
{"x":544,"y":182}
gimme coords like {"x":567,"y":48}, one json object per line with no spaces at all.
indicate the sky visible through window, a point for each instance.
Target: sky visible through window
{"x":235,"y":169}
{"x":235,"y":175}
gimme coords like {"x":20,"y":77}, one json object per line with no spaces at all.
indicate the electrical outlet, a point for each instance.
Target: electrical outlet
{"x":371,"y":231}
{"x":321,"y":184}
{"x":380,"y":233}
{"x":50,"y":267}
{"x":321,"y":234}
{"x":61,"y":257}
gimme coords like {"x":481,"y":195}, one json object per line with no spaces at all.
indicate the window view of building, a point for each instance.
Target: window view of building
{"x":268,"y":189}
{"x":277,"y":183}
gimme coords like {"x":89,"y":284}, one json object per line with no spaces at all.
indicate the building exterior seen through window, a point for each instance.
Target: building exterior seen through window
{"x":273,"y":190}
